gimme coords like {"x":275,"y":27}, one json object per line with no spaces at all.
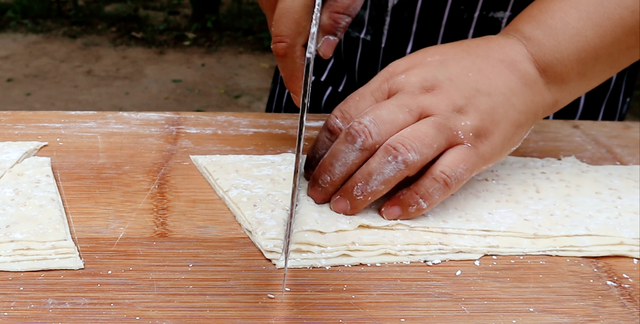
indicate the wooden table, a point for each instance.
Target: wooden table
{"x":161,"y":247}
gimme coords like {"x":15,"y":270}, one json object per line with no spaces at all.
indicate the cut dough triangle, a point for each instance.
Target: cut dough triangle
{"x":14,"y":152}
{"x":34,"y":233}
{"x":520,"y":206}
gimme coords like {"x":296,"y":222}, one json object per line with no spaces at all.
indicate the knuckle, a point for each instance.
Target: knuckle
{"x":323,"y":178}
{"x":350,"y":7}
{"x":427,"y":88}
{"x":386,"y":83}
{"x":338,"y":21}
{"x":480,"y":134}
{"x":362,"y":134}
{"x":460,"y":110}
{"x":400,"y":152}
{"x":328,"y":179}
{"x":333,"y":126}
{"x":281,"y":46}
{"x":325,"y":182}
{"x":415,"y":200}
{"x":394,"y":68}
{"x":447,"y":178}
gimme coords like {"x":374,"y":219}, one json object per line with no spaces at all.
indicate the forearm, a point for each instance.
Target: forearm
{"x":577,"y":44}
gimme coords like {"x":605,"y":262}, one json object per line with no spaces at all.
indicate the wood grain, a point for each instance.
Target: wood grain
{"x":161,"y":247}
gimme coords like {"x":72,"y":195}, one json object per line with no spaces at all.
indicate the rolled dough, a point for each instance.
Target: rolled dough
{"x":520,"y":206}
{"x":34,"y":233}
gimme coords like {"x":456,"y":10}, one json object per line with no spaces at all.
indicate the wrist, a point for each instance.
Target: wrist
{"x":517,"y":57}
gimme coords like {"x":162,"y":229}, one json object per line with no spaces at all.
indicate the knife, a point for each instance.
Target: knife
{"x":304,"y":107}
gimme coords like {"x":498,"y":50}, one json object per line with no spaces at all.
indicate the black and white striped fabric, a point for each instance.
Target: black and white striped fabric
{"x":386,"y":30}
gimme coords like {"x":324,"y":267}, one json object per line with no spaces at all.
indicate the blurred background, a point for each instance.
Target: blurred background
{"x":166,"y":55}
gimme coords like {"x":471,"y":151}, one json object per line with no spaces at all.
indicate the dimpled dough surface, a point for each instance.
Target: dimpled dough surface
{"x":34,"y":234}
{"x":519,"y":206}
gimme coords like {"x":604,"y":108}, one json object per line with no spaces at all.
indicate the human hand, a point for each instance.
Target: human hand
{"x":433,"y":119}
{"x":289,"y":22}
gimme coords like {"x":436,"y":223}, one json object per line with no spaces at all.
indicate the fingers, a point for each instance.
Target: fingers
{"x":402,"y":156}
{"x":334,"y":21}
{"x":357,"y":143}
{"x":453,"y":169}
{"x":341,"y":117}
{"x":289,"y":22}
{"x":289,"y":32}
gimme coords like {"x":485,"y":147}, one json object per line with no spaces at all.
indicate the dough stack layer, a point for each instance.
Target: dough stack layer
{"x":520,"y":206}
{"x":34,"y":233}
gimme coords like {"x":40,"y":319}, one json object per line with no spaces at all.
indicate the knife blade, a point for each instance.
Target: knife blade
{"x":304,"y":107}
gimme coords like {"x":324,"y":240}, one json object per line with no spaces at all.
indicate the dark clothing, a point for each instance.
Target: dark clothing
{"x":386,"y":30}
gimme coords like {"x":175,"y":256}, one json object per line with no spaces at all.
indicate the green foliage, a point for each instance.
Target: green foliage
{"x":245,"y":19}
{"x":25,"y":9}
{"x":203,"y":10}
{"x":208,"y":22}
{"x":4,"y":8}
{"x":155,"y":23}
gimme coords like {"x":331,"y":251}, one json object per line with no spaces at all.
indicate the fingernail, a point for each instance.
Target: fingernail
{"x":340,"y":205}
{"x":326,"y":46}
{"x":391,"y":213}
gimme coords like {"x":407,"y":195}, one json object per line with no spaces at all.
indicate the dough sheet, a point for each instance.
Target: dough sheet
{"x":519,"y":206}
{"x":34,"y":233}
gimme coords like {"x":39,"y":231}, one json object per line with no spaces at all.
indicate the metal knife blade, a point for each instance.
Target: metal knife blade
{"x":304,"y":107}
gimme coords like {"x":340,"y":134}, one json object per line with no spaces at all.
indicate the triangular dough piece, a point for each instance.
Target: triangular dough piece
{"x":12,"y":153}
{"x":34,"y":233}
{"x":520,"y":206}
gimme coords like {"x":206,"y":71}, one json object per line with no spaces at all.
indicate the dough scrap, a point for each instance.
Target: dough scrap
{"x":34,"y":233}
{"x":14,"y":152}
{"x":520,"y":206}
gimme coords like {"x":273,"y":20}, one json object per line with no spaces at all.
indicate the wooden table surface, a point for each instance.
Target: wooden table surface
{"x":159,"y":246}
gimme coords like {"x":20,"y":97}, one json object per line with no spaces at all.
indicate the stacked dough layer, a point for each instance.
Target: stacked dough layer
{"x":34,"y":233}
{"x":520,"y":206}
